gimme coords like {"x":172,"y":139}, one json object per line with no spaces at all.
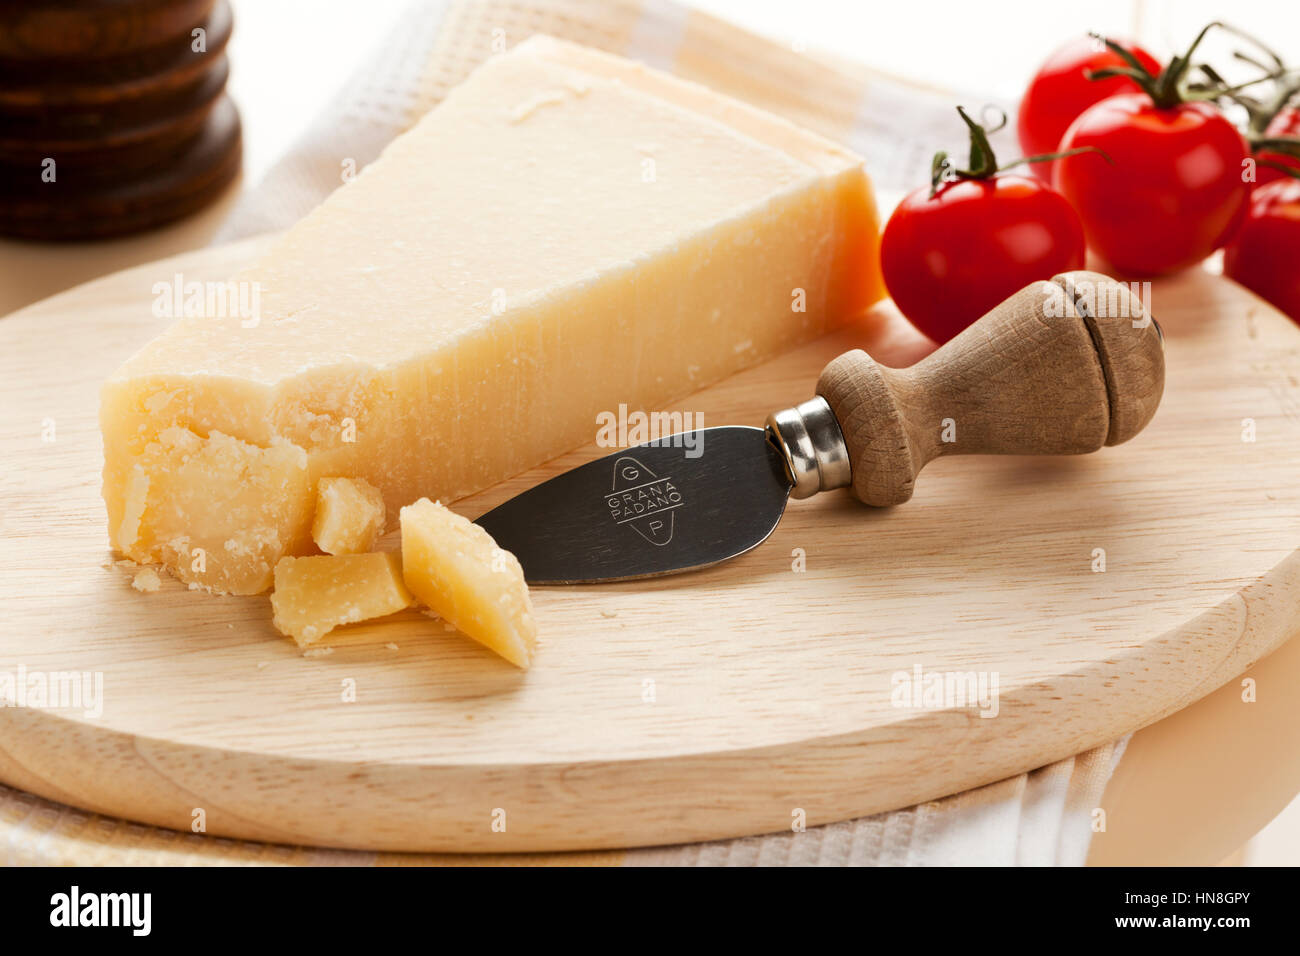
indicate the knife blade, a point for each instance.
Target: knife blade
{"x":1045,"y":372}
{"x":681,"y":503}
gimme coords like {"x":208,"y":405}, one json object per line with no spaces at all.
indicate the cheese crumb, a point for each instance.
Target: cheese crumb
{"x":349,"y":516}
{"x":454,"y":567}
{"x":315,"y":594}
{"x":146,"y":580}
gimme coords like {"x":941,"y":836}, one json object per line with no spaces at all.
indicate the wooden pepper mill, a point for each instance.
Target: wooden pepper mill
{"x":113,"y":114}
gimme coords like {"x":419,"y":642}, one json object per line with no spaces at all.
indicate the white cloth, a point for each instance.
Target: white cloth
{"x":1041,"y":818}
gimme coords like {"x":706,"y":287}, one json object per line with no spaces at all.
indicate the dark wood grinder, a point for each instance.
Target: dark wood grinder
{"x":113,"y":115}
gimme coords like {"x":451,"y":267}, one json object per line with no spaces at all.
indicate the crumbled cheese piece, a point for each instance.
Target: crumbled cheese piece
{"x":146,"y":580}
{"x":454,"y":566}
{"x":316,"y":594}
{"x":349,"y":516}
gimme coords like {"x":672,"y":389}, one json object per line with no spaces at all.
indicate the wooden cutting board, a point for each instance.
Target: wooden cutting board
{"x":731,"y":701}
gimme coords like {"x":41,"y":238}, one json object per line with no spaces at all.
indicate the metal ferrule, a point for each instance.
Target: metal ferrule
{"x":815,"y":454}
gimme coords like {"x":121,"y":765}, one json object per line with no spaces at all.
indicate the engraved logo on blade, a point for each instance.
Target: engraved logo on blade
{"x":643,"y":501}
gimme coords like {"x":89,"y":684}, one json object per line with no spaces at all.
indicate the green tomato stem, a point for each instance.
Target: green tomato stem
{"x":983,"y":162}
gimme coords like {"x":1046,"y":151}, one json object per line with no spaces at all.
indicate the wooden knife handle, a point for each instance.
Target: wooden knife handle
{"x":1060,"y":368}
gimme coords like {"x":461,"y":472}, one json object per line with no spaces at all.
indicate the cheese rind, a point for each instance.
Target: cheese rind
{"x":315,"y":594}
{"x":455,"y":568}
{"x":349,"y":516}
{"x":567,"y":232}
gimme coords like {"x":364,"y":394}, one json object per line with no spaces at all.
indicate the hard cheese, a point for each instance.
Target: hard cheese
{"x":455,"y":568}
{"x":315,"y":594}
{"x":349,"y":515}
{"x":566,"y":232}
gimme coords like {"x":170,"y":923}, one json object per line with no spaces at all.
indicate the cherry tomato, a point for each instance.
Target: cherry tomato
{"x":1265,"y":254}
{"x":1061,"y":90}
{"x":949,"y":258}
{"x":1285,"y":123}
{"x":1173,"y":191}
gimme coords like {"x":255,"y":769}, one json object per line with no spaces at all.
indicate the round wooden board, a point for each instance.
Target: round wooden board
{"x":699,"y":706}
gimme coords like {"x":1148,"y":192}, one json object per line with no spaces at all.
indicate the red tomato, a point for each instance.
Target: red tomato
{"x":1061,"y":90}
{"x":1265,"y":254}
{"x":1173,"y":191}
{"x":1285,"y":123}
{"x":949,"y":258}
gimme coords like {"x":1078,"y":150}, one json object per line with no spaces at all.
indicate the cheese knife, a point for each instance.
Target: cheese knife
{"x":1061,"y":367}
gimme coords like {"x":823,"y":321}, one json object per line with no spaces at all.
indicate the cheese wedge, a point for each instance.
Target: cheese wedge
{"x":349,"y":516}
{"x":315,"y":594}
{"x":455,"y":568}
{"x":567,"y":232}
